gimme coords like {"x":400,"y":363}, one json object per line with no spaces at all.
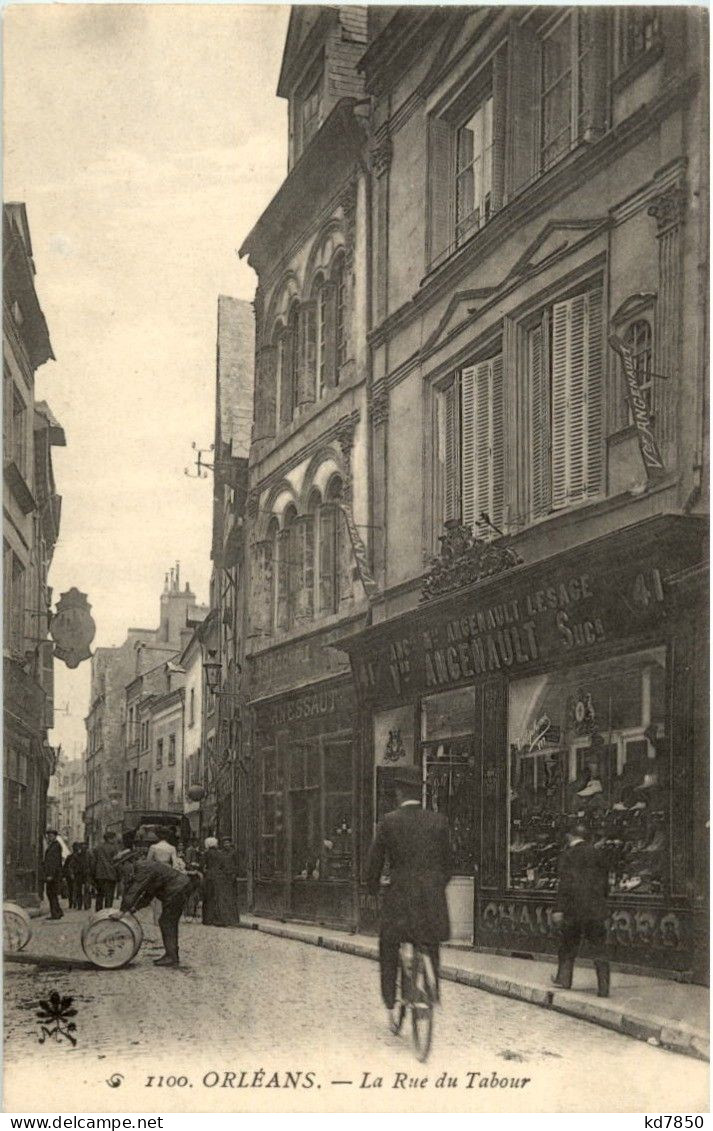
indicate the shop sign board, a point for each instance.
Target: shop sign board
{"x":648,"y":444}
{"x":281,"y":669}
{"x":553,"y":612}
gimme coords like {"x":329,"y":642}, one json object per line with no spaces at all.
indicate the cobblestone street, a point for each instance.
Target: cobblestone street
{"x":244,"y":1001}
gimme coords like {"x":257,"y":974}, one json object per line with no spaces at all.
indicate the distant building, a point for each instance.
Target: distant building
{"x":107,"y":720}
{"x":31,"y":524}
{"x":71,"y":800}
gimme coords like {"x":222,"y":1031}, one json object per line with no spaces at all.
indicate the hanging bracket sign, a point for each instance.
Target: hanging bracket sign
{"x":648,"y":445}
{"x":72,"y":628}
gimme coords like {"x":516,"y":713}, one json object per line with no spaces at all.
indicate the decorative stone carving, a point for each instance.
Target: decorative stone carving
{"x":464,"y":559}
{"x":668,"y":209}
{"x":348,"y":204}
{"x":381,"y":154}
{"x":253,"y":504}
{"x":380,"y":406}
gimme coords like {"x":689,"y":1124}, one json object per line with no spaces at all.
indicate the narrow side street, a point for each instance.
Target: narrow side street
{"x":276,"y":1002}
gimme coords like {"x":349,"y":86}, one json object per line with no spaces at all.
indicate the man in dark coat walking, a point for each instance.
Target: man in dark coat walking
{"x":415,"y":844}
{"x":153,"y":880}
{"x":581,"y":908}
{"x":104,"y":871}
{"x":53,"y":874}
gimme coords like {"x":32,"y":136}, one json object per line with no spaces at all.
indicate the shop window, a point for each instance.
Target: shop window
{"x":469,"y":448}
{"x":590,"y":744}
{"x":447,"y":748}
{"x":321,"y":809}
{"x":306,"y":841}
{"x":639,"y":33}
{"x":272,"y":843}
{"x":565,"y":393}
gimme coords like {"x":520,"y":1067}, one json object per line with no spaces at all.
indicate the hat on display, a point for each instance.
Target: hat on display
{"x":591,"y":788}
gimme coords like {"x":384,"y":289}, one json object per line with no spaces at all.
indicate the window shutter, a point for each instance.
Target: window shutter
{"x":441,"y":187}
{"x":539,"y":406}
{"x":451,"y":398}
{"x":306,"y":353}
{"x":577,"y":463}
{"x":562,"y":438}
{"x":593,"y":41}
{"x":496,"y":509}
{"x":523,"y":107}
{"x":283,"y":578}
{"x":330,"y":335}
{"x":499,"y":129}
{"x":47,"y":656}
{"x":327,"y":564}
{"x":595,"y":394}
{"x":468,"y":444}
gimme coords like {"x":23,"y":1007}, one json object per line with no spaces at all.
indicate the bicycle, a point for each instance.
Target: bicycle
{"x":415,"y":991}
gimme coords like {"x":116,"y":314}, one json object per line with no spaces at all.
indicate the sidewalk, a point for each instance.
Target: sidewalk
{"x":671,"y":1014}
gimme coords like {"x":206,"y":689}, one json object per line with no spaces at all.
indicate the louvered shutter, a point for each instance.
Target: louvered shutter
{"x":451,"y":454}
{"x":327,"y":563}
{"x":306,"y":353}
{"x":496,"y":507}
{"x":539,"y":406}
{"x":468,"y":443}
{"x":577,"y":464}
{"x":441,"y":187}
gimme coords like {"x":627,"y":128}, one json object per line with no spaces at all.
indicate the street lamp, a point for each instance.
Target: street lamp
{"x":212,"y":669}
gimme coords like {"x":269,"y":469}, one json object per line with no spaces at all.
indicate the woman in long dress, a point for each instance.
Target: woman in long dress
{"x":220,"y":905}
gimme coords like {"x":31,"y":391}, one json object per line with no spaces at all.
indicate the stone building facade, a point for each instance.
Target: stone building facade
{"x":538,"y":425}
{"x":31,"y":508}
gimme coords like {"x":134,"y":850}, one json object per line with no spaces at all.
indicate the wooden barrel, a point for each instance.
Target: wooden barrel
{"x":111,"y":939}
{"x":17,"y":927}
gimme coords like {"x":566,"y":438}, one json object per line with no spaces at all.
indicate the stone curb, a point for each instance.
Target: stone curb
{"x":677,"y":1037}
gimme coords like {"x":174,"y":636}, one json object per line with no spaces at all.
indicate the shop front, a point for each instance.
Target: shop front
{"x":562,"y":690}
{"x":304,"y":768}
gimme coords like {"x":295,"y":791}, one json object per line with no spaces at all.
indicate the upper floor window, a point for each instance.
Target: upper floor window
{"x":159,"y":754}
{"x":639,"y":32}
{"x":474,"y":161}
{"x":565,"y":393}
{"x":469,"y":471}
{"x":339,"y":284}
{"x":192,"y":707}
{"x":172,"y":750}
{"x":311,"y":106}
{"x":565,"y":97}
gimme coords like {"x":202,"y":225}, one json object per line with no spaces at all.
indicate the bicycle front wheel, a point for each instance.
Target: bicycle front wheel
{"x":421,"y":1008}
{"x":398,"y":1011}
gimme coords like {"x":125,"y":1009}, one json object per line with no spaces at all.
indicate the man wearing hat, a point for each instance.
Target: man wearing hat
{"x":581,"y":906}
{"x":52,"y":865}
{"x":414,"y":842}
{"x":153,"y":880}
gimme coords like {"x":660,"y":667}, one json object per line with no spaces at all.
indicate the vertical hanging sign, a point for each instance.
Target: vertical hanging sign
{"x":648,"y":445}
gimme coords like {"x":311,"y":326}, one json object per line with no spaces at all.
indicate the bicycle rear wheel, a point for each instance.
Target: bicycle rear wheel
{"x":421,"y":1007}
{"x":398,"y":1012}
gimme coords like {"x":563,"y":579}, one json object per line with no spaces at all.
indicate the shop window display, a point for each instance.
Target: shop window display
{"x":321,"y":809}
{"x":447,"y":723}
{"x":590,"y":743}
{"x":272,"y":835}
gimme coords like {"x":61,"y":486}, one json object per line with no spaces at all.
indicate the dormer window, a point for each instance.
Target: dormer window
{"x":310,"y":106}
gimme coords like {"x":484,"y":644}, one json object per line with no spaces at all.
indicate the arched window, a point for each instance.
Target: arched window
{"x":288,"y":366}
{"x":279,"y":342}
{"x":639,"y":339}
{"x":340,"y":328}
{"x":273,"y":534}
{"x":330,"y":525}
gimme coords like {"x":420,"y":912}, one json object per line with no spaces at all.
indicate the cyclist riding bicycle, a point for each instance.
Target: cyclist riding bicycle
{"x":415,"y":844}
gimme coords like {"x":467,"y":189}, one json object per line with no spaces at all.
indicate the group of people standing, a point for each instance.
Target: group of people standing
{"x":82,"y":876}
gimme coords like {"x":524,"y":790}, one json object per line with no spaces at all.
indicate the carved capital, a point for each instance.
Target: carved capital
{"x":253,"y":504}
{"x":380,"y":406}
{"x":669,"y":208}
{"x":345,"y":439}
{"x":381,"y":153}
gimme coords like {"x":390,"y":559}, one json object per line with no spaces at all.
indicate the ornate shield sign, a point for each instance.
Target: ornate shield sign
{"x":72,"y":628}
